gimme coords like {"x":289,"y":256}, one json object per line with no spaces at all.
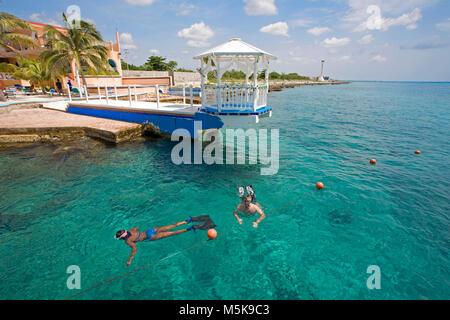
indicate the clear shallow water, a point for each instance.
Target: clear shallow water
{"x":59,"y":209}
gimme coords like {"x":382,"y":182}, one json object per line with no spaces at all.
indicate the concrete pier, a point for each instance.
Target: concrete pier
{"x":44,"y":125}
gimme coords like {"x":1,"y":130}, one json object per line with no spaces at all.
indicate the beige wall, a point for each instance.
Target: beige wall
{"x":146,"y":81}
{"x":180,"y":78}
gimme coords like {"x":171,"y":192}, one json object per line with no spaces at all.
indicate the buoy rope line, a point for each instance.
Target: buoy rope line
{"x":184,"y":250}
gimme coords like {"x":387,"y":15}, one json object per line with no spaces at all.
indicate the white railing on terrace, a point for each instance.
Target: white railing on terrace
{"x":114,"y":92}
{"x":235,"y":97}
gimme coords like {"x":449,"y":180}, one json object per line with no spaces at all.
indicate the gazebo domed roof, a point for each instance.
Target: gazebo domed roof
{"x":235,"y":47}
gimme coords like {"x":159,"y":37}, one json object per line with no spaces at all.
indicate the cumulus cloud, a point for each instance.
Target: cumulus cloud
{"x":335,"y":42}
{"x":140,"y":2}
{"x":368,"y":38}
{"x":277,"y":29}
{"x":126,"y":41}
{"x":408,"y":19}
{"x":197,"y":34}
{"x":317,"y":31}
{"x":369,"y":14}
{"x":260,"y":7}
{"x":154,"y":52}
{"x":378,"y":58}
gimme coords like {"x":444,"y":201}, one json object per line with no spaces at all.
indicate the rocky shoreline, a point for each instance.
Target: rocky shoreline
{"x":280,"y":85}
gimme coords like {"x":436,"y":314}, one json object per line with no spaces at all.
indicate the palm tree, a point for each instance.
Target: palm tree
{"x":9,"y":25}
{"x":33,"y":70}
{"x":82,"y":44}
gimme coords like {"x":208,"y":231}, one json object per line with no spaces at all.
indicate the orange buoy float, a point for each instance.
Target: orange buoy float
{"x":373,"y":161}
{"x":319,"y":185}
{"x":212,"y":234}
{"x":417,"y":152}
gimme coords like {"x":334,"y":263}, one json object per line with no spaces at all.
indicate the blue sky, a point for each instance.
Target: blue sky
{"x":359,"y":39}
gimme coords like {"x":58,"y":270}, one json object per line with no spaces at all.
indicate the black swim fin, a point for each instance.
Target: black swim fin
{"x":200,"y":218}
{"x":206,"y":224}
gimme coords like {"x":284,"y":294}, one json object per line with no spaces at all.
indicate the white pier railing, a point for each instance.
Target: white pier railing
{"x":117,"y":91}
{"x":235,"y":97}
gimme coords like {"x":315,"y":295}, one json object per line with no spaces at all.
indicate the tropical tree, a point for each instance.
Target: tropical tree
{"x":171,"y":65}
{"x":9,"y":37}
{"x":155,"y":63}
{"x":33,"y":70}
{"x":82,"y":44}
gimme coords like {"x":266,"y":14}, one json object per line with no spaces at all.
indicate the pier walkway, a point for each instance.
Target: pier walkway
{"x":43,"y":125}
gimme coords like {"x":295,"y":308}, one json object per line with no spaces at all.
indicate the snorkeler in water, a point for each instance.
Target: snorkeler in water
{"x":134,"y":235}
{"x":249,"y":206}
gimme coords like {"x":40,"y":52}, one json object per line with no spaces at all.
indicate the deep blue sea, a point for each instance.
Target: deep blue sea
{"x":62,"y":207}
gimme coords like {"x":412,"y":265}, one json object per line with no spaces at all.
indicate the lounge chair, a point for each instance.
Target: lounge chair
{"x":76,"y":91}
{"x":11,"y":92}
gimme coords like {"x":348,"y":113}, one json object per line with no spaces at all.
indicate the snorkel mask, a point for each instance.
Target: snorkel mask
{"x":122,"y":236}
{"x":250,"y":192}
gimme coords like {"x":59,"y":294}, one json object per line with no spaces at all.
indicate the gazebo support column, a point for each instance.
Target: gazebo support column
{"x":202,"y":83}
{"x":219,"y":94}
{"x":255,"y":83}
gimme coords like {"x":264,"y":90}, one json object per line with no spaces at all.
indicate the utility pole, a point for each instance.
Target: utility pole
{"x":126,"y":57}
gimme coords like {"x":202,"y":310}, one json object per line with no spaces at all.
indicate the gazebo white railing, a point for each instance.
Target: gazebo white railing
{"x":235,"y":97}
{"x":244,"y":57}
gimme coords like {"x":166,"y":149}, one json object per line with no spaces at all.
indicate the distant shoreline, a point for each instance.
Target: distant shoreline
{"x":280,"y":85}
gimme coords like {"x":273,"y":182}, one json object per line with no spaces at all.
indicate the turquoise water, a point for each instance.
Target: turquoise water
{"x":61,"y":208}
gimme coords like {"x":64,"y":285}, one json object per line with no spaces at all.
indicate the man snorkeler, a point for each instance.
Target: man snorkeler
{"x":247,"y":207}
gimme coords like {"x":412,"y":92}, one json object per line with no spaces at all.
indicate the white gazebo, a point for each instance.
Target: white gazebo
{"x":230,"y":99}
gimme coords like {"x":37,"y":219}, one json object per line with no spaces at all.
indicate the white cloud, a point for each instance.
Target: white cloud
{"x":42,"y":18}
{"x":154,"y":52}
{"x":260,"y":7}
{"x":140,"y":2}
{"x":301,"y":23}
{"x":126,"y":41}
{"x":317,"y":31}
{"x":277,"y":29}
{"x":382,"y":14}
{"x":358,"y":8}
{"x":379,"y":58}
{"x":408,"y":19}
{"x":184,"y":9}
{"x":368,"y":38}
{"x":370,"y":16}
{"x":197,"y":35}
{"x":335,"y":42}
{"x":444,"y":26}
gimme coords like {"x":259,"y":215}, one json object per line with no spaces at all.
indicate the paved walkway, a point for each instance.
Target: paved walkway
{"x":39,"y":123}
